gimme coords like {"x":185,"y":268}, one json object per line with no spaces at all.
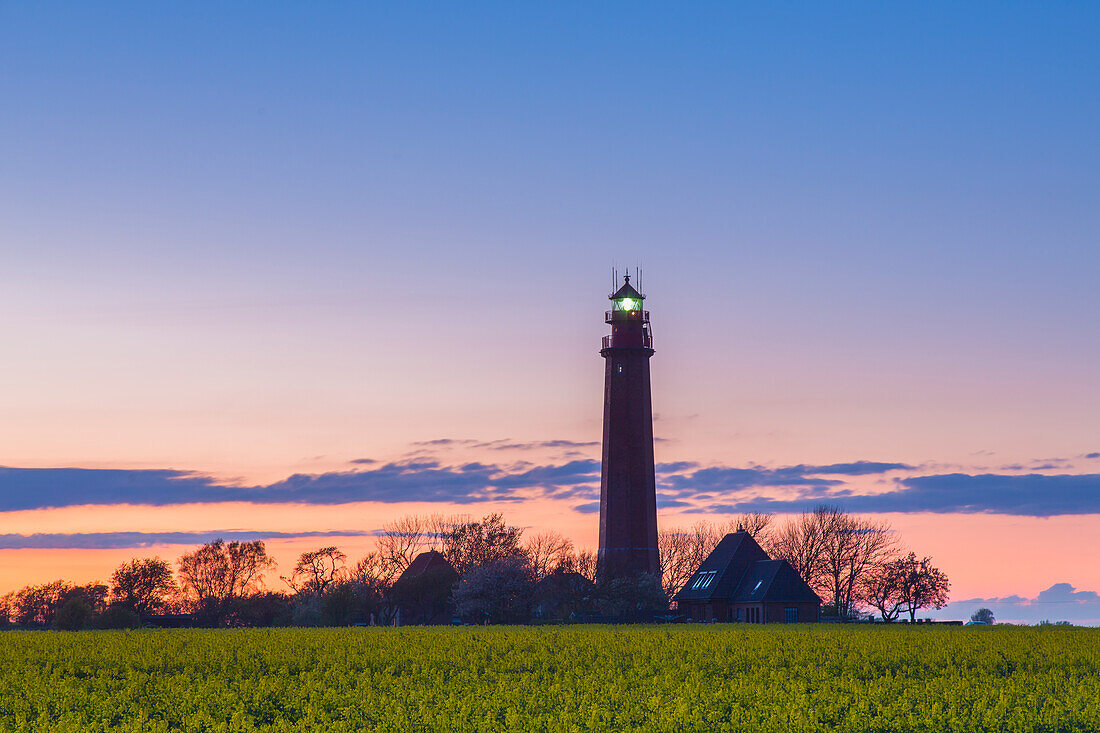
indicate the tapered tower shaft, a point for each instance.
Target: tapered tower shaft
{"x":628,"y":493}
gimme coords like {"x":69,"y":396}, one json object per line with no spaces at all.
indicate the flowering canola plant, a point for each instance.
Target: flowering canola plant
{"x":554,"y":678}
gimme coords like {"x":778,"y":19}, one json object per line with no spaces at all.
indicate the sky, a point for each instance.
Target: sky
{"x":290,"y":271}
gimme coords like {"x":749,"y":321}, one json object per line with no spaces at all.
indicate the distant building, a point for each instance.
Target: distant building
{"x":422,"y":594}
{"x":739,"y":582}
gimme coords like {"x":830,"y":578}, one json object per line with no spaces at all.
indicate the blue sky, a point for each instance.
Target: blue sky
{"x":248,"y":245}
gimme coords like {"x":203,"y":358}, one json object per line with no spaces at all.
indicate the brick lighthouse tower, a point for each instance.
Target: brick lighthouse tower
{"x":628,"y":493}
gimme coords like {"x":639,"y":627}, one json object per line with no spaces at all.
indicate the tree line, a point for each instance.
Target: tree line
{"x":501,"y":574}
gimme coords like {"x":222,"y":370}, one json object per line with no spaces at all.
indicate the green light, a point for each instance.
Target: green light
{"x":627,"y":304}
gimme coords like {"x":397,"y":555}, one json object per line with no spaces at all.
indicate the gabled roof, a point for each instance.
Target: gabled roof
{"x":728,"y":562}
{"x":425,"y":561}
{"x":773,"y":581}
{"x":739,"y":571}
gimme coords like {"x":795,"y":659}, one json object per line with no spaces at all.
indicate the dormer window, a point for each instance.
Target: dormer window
{"x":704,"y":579}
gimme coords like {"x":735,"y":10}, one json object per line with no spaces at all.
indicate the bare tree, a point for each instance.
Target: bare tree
{"x":143,"y":585}
{"x":401,"y":540}
{"x":219,"y":572}
{"x":801,"y":542}
{"x":682,"y":551}
{"x":317,"y":570}
{"x":546,"y":551}
{"x":758,"y":525}
{"x":472,"y":544}
{"x":374,"y":572}
{"x":584,"y":562}
{"x":853,"y":547}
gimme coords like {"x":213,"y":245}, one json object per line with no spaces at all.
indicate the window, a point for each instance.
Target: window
{"x":757,"y":586}
{"x":704,"y":579}
{"x":739,"y":614}
{"x":790,"y":615}
{"x":619,"y":369}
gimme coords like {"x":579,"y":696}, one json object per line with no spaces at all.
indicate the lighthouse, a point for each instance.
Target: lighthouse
{"x":628,"y":492}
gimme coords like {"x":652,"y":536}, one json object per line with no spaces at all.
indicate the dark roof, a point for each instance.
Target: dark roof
{"x":773,"y":581}
{"x":743,"y":573}
{"x":729,"y":561}
{"x":559,"y":578}
{"x":424,"y":562}
{"x":626,"y":291}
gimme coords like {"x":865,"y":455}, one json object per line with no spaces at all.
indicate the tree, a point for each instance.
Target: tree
{"x":564,"y":594}
{"x":118,"y":617}
{"x":547,"y":551}
{"x":584,"y":562}
{"x":835,"y":552}
{"x":881,"y":589}
{"x":801,"y":542}
{"x":681,"y":551}
{"x":472,"y":544}
{"x":920,"y":585}
{"x":317,"y":570}
{"x":400,"y":541}
{"x":759,"y":526}
{"x":7,"y":608}
{"x":983,"y":616}
{"x":852,"y":548}
{"x":497,"y":592}
{"x":143,"y":586}
{"x":631,"y":598}
{"x":39,"y":605}
{"x":373,"y":572}
{"x":216,"y":573}
{"x":74,"y":614}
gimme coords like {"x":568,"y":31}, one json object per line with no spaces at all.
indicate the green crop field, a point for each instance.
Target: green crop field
{"x":676,"y":678}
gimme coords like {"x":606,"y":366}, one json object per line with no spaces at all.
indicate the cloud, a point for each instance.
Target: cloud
{"x":683,"y":485}
{"x":1059,"y":602}
{"x":537,"y":444}
{"x":1036,"y":495}
{"x":418,"y":480}
{"x":721,"y":478}
{"x":120,"y":540}
{"x":504,"y":444}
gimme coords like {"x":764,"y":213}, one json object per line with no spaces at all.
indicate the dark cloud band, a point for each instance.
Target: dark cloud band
{"x":124,"y":540}
{"x":683,"y":485}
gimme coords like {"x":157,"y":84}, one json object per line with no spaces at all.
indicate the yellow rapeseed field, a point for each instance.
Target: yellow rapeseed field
{"x":573,"y":678}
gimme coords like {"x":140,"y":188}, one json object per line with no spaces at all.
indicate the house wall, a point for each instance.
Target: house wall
{"x":768,"y":613}
{"x":774,"y":613}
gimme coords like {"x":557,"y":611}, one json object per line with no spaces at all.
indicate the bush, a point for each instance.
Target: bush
{"x":498,"y":593}
{"x":73,"y":615}
{"x":118,"y":616}
{"x":631,"y":598}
